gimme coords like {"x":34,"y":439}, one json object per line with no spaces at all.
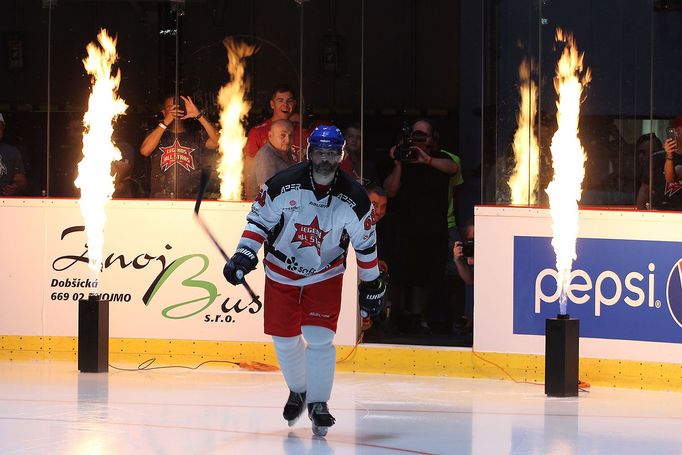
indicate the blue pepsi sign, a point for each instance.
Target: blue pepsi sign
{"x":619,"y":289}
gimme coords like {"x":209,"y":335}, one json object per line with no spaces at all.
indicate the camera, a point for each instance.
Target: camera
{"x":671,"y":133}
{"x":403,"y":151}
{"x":468,"y":249}
{"x":180,"y":103}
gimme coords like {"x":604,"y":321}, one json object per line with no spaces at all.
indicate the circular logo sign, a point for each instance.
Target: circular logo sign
{"x":673,"y":292}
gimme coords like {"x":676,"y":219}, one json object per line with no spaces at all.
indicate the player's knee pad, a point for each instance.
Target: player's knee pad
{"x":287,"y":343}
{"x":317,"y":336}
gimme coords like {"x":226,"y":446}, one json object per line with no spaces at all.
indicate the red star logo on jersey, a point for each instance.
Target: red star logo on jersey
{"x":672,"y":188}
{"x":309,"y":235}
{"x":177,"y":154}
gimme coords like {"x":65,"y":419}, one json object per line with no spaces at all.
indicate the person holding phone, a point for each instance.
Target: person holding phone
{"x":672,"y":169}
{"x":179,"y":153}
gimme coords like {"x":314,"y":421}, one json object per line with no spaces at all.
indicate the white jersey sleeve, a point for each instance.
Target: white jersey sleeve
{"x":362,"y":235}
{"x":264,"y":215}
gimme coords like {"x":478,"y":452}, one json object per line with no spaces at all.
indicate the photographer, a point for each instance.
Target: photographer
{"x":417,"y":185}
{"x":463,"y":253}
{"x":417,"y":151}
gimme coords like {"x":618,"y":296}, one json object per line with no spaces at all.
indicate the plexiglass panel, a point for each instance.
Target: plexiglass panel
{"x":624,"y":46}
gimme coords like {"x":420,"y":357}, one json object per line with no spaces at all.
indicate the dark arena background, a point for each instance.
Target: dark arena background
{"x":455,"y":365}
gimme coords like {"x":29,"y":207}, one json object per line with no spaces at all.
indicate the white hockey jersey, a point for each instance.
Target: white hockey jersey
{"x":306,"y":238}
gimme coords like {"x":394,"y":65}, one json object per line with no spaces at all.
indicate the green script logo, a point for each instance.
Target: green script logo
{"x":179,"y":310}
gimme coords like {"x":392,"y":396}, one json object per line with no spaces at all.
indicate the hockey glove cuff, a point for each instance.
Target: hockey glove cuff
{"x":243,"y":261}
{"x":371,"y":297}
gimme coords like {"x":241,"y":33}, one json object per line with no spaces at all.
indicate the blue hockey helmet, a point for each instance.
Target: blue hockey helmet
{"x":326,"y":137}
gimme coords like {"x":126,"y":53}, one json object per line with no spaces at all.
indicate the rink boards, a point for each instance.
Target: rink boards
{"x":162,"y":275}
{"x":188,"y":314}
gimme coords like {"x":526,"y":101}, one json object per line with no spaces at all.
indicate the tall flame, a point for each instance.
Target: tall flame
{"x":568,"y":160}
{"x":233,"y":108}
{"x":94,"y":171}
{"x":524,"y":180}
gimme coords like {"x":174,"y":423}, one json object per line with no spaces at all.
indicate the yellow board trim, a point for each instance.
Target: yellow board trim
{"x":407,"y":360}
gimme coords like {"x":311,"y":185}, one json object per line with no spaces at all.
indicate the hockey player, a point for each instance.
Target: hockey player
{"x":306,"y":216}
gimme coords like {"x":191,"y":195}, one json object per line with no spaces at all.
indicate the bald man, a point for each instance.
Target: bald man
{"x":273,"y":157}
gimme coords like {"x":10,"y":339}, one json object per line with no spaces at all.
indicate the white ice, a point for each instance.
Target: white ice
{"x":51,"y":408}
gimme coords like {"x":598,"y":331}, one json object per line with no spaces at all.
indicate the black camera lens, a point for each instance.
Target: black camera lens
{"x":468,"y":249}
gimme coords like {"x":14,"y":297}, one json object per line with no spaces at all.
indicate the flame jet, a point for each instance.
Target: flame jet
{"x":568,"y":160}
{"x":94,"y":170}
{"x":233,"y":108}
{"x":523,"y":182}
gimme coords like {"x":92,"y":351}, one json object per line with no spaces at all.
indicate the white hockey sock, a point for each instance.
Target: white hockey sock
{"x":320,"y":362}
{"x":290,"y":355}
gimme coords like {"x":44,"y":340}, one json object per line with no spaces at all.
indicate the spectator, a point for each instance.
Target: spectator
{"x":178,"y":154}
{"x":672,"y":169}
{"x":355,"y":163}
{"x":418,"y":187}
{"x":274,"y":156}
{"x":379,"y":199}
{"x":283,"y":105}
{"x":648,"y":145}
{"x":125,"y":183}
{"x":454,"y":289}
{"x":463,"y":253}
{"x":65,"y":156}
{"x":12,"y":174}
{"x":603,"y":145}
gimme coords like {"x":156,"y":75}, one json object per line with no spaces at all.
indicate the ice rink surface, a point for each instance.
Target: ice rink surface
{"x":51,"y":408}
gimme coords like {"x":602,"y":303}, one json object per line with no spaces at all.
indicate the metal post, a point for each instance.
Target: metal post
{"x":561,"y":356}
{"x":93,"y":335}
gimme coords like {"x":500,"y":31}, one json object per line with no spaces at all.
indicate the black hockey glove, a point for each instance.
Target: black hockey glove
{"x":371,"y":297}
{"x":243,"y":261}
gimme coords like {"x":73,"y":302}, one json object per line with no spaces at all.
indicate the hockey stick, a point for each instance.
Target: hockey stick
{"x":203,"y":183}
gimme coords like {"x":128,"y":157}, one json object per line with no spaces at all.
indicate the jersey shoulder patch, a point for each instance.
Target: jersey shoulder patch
{"x":295,"y":177}
{"x":352,"y":193}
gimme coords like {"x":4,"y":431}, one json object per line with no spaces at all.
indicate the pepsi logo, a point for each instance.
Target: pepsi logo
{"x":673,"y":292}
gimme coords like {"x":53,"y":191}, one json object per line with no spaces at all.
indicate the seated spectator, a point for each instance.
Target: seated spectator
{"x":12,"y":174}
{"x":273,"y":157}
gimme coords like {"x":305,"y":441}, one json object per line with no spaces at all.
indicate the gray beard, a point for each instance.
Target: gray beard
{"x":323,"y":173}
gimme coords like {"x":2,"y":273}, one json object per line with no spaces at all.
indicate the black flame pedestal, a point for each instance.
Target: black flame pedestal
{"x":93,"y":335}
{"x":561,"y":356}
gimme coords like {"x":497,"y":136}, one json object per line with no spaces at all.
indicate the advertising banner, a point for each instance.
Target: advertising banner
{"x":619,"y":289}
{"x":625,"y":286}
{"x":161,"y":273}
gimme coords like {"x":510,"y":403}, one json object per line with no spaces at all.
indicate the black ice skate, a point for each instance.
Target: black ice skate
{"x":294,"y":407}
{"x":321,"y":418}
